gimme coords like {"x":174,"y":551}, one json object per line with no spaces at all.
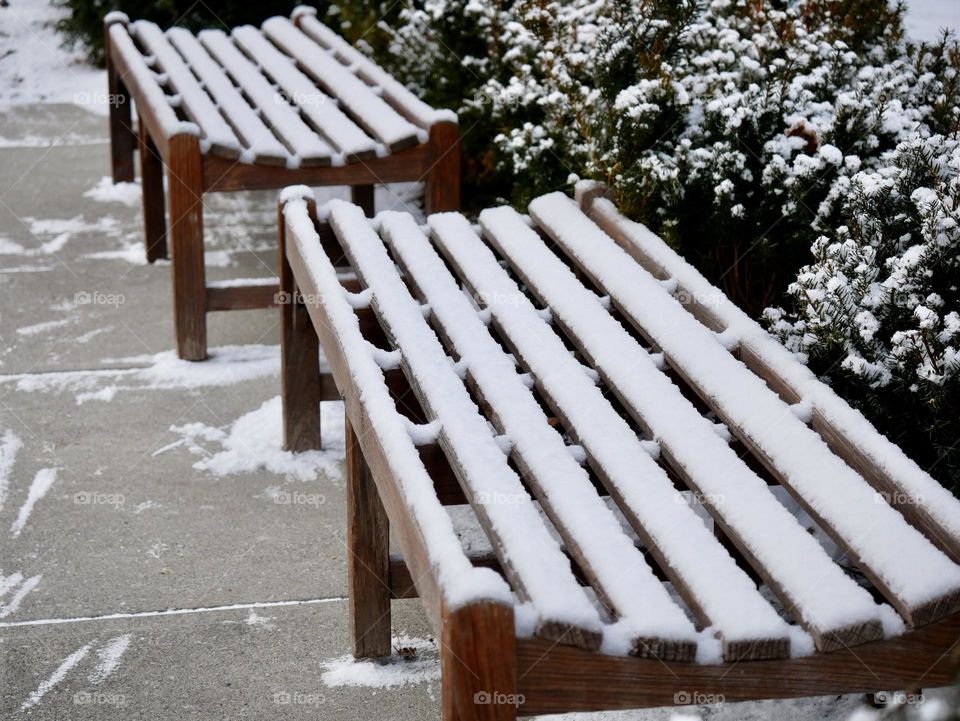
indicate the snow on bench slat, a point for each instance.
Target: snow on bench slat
{"x":460,"y":582}
{"x":647,"y":616}
{"x":828,"y":604}
{"x":308,"y":147}
{"x":243,"y":283}
{"x":918,"y":578}
{"x":394,"y":91}
{"x":141,"y":77}
{"x":371,"y":111}
{"x":217,"y":134}
{"x":321,"y":109}
{"x":722,"y":594}
{"x":539,"y":571}
{"x":260,"y":144}
{"x":921,"y":493}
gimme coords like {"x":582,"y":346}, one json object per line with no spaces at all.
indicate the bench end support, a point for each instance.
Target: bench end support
{"x":368,"y":562}
{"x":442,"y":192}
{"x":300,"y":382}
{"x":185,"y":201}
{"x":123,"y":141}
{"x":478,"y":663}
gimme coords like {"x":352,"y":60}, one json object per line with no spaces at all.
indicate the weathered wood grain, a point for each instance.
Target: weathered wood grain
{"x":368,"y":557}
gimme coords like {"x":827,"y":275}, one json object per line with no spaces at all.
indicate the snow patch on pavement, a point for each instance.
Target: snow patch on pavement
{"x":398,"y":670}
{"x":110,"y":655}
{"x":254,"y":441}
{"x":257,"y":621}
{"x":53,"y":234}
{"x":106,"y":191}
{"x":56,"y":677}
{"x":10,"y":446}
{"x":227,"y":365}
{"x":38,"y":328}
{"x":14,"y":583}
{"x":145,"y":506}
{"x":38,"y":489}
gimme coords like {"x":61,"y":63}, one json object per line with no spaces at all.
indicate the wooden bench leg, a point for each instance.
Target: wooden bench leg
{"x":362,"y":195}
{"x":151,"y":185}
{"x":300,"y":383}
{"x":368,"y":557}
{"x":478,"y":664}
{"x":185,"y":200}
{"x":442,"y":192}
{"x":122,"y":139}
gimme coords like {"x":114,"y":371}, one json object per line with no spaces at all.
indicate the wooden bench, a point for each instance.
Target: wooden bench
{"x":677,"y":510}
{"x":289,"y":103}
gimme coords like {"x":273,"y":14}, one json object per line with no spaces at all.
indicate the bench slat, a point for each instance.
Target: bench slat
{"x":412,"y":107}
{"x":198,"y":106}
{"x":371,"y":111}
{"x":319,"y":108}
{"x":915,"y":576}
{"x":917,"y":495}
{"x":716,"y":589}
{"x":261,"y":146}
{"x":649,"y":621}
{"x":431,"y":532}
{"x":530,"y":556}
{"x":307,"y":146}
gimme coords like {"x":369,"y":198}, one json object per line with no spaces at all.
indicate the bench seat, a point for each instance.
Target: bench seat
{"x":665,"y":523}
{"x":258,"y":108}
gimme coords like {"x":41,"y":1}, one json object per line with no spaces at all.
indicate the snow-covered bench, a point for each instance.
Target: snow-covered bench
{"x":676,"y":510}
{"x":257,"y":109}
